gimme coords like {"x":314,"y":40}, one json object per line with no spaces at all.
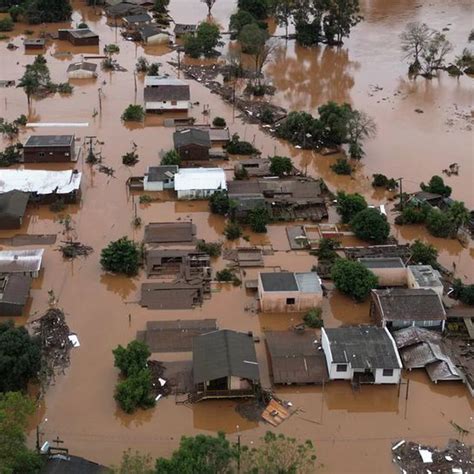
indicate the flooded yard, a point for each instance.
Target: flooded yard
{"x":352,"y":430}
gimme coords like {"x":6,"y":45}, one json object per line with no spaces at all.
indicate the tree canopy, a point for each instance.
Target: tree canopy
{"x":258,"y":219}
{"x":219,"y":202}
{"x":171,"y":157}
{"x":423,"y":254}
{"x":204,"y":42}
{"x":348,"y":205}
{"x":132,"y":358}
{"x":121,"y":256}
{"x":436,"y":186}
{"x":353,"y":279}
{"x":280,"y":165}
{"x":258,"y":8}
{"x":371,"y":225}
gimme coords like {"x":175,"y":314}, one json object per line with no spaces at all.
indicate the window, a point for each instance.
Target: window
{"x":341,"y":368}
{"x":388,"y":372}
{"x":290,"y":301}
{"x":41,"y":154}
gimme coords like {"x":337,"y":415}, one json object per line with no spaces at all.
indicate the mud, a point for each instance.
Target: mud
{"x":369,"y":73}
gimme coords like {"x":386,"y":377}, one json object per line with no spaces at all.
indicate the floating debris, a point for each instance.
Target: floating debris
{"x":72,"y":250}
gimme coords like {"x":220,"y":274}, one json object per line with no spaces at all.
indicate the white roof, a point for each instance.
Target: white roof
{"x":20,"y":261}
{"x":163,"y":81}
{"x":308,"y":282}
{"x":199,"y":178}
{"x":39,"y":181}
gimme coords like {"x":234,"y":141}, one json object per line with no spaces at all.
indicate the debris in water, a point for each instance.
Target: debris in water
{"x":71,"y":249}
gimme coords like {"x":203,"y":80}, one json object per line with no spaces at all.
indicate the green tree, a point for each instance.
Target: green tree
{"x":423,"y":254}
{"x":342,"y":16}
{"x":258,"y":219}
{"x":219,"y":122}
{"x":161,"y":6}
{"x":132,"y":358}
{"x":458,"y":214}
{"x":134,"y":463}
{"x":209,"y":4}
{"x":171,"y":157}
{"x":360,"y":127}
{"x":252,"y":38}
{"x":335,"y":122}
{"x":436,"y":186}
{"x":313,"y":318}
{"x":342,"y":167}
{"x":281,"y":165}
{"x":6,"y":24}
{"x":434,"y":53}
{"x":219,"y":202}
{"x":201,"y":454}
{"x":133,"y":113}
{"x":240,"y":19}
{"x":439,"y":224}
{"x":280,"y":454}
{"x":348,"y":205}
{"x":240,"y":147}
{"x":204,"y":42}
{"x":135,"y":391}
{"x":371,"y":225}
{"x":142,"y":64}
{"x":283,"y":12}
{"x":463,"y":293}
{"x":233,"y":231}
{"x":213,"y":249}
{"x":258,"y":8}
{"x":153,"y":69}
{"x":353,"y":279}
{"x":15,"y":458}
{"x":121,"y":256}
{"x":414,"y":39}
{"x":413,"y":214}
{"x":326,"y":250}
{"x":20,"y":357}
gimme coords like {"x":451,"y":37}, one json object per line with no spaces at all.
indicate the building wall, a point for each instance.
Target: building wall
{"x":390,"y":276}
{"x":152,"y":186}
{"x":381,"y":379}
{"x":276,"y":301}
{"x":167,"y":105}
{"x":81,"y":74}
{"x":158,"y":39}
{"x":195,"y":193}
{"x":10,"y":222}
{"x":93,"y":41}
{"x":421,"y":324}
{"x":48,"y":154}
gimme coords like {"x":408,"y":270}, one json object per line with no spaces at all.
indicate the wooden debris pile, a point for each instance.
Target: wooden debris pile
{"x":72,"y":250}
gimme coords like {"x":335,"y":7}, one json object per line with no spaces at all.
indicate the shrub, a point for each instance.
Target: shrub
{"x":267,"y":116}
{"x":111,"y":49}
{"x":131,"y":359}
{"x":135,"y":392}
{"x":213,"y":249}
{"x":57,"y":205}
{"x":133,"y":113}
{"x":439,"y":224}
{"x":342,"y":167}
{"x":413,"y":214}
{"x":153,"y":69}
{"x":204,"y":42}
{"x":219,"y":122}
{"x":142,"y":64}
{"x":237,"y":147}
{"x":353,"y":279}
{"x":370,"y":225}
{"x":348,"y":205}
{"x":463,"y":293}
{"x":233,"y":231}
{"x":381,"y":181}
{"x":171,"y":157}
{"x":423,"y":254}
{"x":241,"y":174}
{"x":313,"y":318}
{"x":21,"y":120}
{"x":225,"y":275}
{"x":326,"y":251}
{"x":280,"y":165}
{"x":258,"y":219}
{"x":130,"y":159}
{"x":436,"y":185}
{"x":219,"y":202}
{"x":64,"y":88}
{"x":6,"y":24}
{"x":121,"y":256}
{"x":10,"y":155}
{"x":145,"y":199}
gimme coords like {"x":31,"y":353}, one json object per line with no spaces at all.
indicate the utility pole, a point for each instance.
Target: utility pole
{"x":100,"y":99}
{"x":238,"y":449}
{"x":400,"y":180}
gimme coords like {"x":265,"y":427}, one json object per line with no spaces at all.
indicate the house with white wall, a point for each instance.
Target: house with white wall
{"x":162,"y":94}
{"x":199,"y":183}
{"x":362,"y":354}
{"x":159,"y":178}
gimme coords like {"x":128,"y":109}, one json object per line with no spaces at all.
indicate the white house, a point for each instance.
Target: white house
{"x":159,"y":178}
{"x":163,"y":94}
{"x":199,"y":183}
{"x":365,"y":354}
{"x":82,"y":70}
{"x":425,"y":276}
{"x":22,"y":262}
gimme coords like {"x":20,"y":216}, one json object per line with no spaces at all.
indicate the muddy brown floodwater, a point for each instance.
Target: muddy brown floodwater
{"x":353,"y":432}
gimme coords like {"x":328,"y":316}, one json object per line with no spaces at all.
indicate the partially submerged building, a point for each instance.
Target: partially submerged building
{"x":281,"y":292}
{"x":398,"y":308}
{"x":159,"y":178}
{"x":21,"y":262}
{"x":363,"y":354}
{"x":224,"y":365}
{"x":79,"y":36}
{"x":175,"y":295}
{"x":425,"y":276}
{"x":217,"y":135}
{"x":14,"y":293}
{"x":152,"y":34}
{"x":162,"y":94}
{"x":181,"y":29}
{"x":82,"y":70}
{"x":390,"y":271}
{"x":49,"y":148}
{"x":43,"y":186}
{"x":199,"y":183}
{"x":34,"y":43}
{"x":185,"y":264}
{"x":170,"y":233}
{"x":12,"y":209}
{"x":192,"y":144}
{"x":135,"y":21}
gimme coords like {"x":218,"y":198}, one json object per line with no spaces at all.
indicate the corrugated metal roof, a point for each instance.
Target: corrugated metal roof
{"x":51,"y":140}
{"x":199,"y":178}
{"x":13,"y":204}
{"x":85,"y":66}
{"x":425,"y":275}
{"x":19,"y":261}
{"x":308,"y":282}
{"x":191,"y":136}
{"x":40,"y":181}
{"x":390,"y":262}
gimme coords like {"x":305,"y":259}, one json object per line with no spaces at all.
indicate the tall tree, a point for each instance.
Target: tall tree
{"x":134,"y":463}
{"x":360,"y":127}
{"x":342,"y":16}
{"x":458,"y":214}
{"x":414,"y":39}
{"x":258,"y":8}
{"x":209,"y":4}
{"x":434,"y":53}
{"x":283,"y":11}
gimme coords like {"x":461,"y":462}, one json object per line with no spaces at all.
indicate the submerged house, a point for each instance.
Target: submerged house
{"x":163,"y":94}
{"x":398,"y":308}
{"x":21,"y":262}
{"x":192,"y":144}
{"x":389,"y":271}
{"x":49,"y":148}
{"x":224,"y":365}
{"x":199,"y":183}
{"x":34,"y":43}
{"x":181,"y":29}
{"x":14,"y":293}
{"x":82,"y":70}
{"x":135,"y":21}
{"x":153,"y":34}
{"x":363,"y":354}
{"x":12,"y":209}
{"x":281,"y":292}
{"x":159,"y":178}
{"x":79,"y":36}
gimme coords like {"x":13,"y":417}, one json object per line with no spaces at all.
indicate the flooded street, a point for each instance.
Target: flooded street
{"x":367,"y":72}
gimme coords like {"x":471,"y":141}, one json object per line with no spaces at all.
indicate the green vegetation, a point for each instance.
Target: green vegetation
{"x":423,"y":254}
{"x":161,"y":6}
{"x":15,"y":457}
{"x":204,"y":42}
{"x":458,"y":215}
{"x":259,"y":9}
{"x":281,"y":165}
{"x":6,"y":24}
{"x":348,"y":205}
{"x":219,"y":122}
{"x":35,"y":12}
{"x":153,"y":69}
{"x":353,"y":279}
{"x":233,"y":231}
{"x":238,"y":147}
{"x":134,"y":463}
{"x":141,"y":64}
{"x":133,"y":113}
{"x":130,"y":158}
{"x":145,"y":199}
{"x":371,"y":225}
{"x":463,"y":293}
{"x":121,"y":256}
{"x":381,"y":181}
{"x":111,"y":49}
{"x":239,"y":20}
{"x":134,"y":391}
{"x":439,"y":224}
{"x":170,"y":158}
{"x":413,"y":213}
{"x":219,"y":202}
{"x":436,"y":186}
{"x":19,"y":357}
{"x":213,"y":249}
{"x":342,"y":167}
{"x":258,"y":219}
{"x":313,"y":318}
{"x":326,"y":251}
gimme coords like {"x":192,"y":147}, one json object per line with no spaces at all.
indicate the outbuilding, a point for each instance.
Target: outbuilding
{"x":425,"y":276}
{"x":181,"y":29}
{"x":12,"y":209}
{"x":49,"y":148}
{"x":82,"y":70}
{"x":166,"y":94}
{"x":363,"y":354}
{"x":281,"y":292}
{"x":389,"y":271}
{"x":14,"y":293}
{"x":192,"y":144}
{"x":79,"y":36}
{"x":199,"y":183}
{"x":135,"y":21}
{"x":159,"y":178}
{"x":34,"y":43}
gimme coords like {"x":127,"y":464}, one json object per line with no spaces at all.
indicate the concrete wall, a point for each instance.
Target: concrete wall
{"x":380,"y":379}
{"x":195,"y":193}
{"x":276,"y":301}
{"x":153,"y":186}
{"x":167,"y":105}
{"x":390,"y":276}
{"x":81,"y":74}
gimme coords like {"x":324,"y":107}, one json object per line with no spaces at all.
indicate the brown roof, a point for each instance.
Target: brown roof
{"x":171,"y":295}
{"x":16,"y":289}
{"x":401,"y":304}
{"x":170,"y":233}
{"x":166,"y":92}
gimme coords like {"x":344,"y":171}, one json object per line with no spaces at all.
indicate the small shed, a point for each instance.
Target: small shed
{"x":389,"y":271}
{"x":192,"y":144}
{"x":364,"y":354}
{"x":398,"y":308}
{"x":82,"y":70}
{"x":159,"y":178}
{"x":34,"y":43}
{"x":281,"y":292}
{"x":152,"y":34}
{"x":181,"y":29}
{"x":49,"y":149}
{"x":14,"y":293}
{"x":163,"y":94}
{"x":225,"y":365}
{"x":199,"y":183}
{"x":12,"y":209}
{"x":21,"y":262}
{"x":425,"y":276}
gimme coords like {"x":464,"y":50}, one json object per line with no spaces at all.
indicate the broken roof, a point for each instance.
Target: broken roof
{"x":403,"y":304}
{"x":414,"y":335}
{"x":224,"y":353}
{"x":161,"y":173}
{"x":15,"y":289}
{"x":50,"y":140}
{"x":200,"y":178}
{"x":364,"y":347}
{"x":304,"y":282}
{"x":191,"y":136}
{"x":21,"y":261}
{"x":13,"y":204}
{"x":84,"y":66}
{"x":40,"y":181}
{"x":390,"y":262}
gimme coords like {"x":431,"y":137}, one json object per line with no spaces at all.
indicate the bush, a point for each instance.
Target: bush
{"x":133,"y":113}
{"x":225,"y":275}
{"x":57,"y":205}
{"x":326,"y":251}
{"x":348,"y":205}
{"x":6,"y":24}
{"x":370,"y":225}
{"x":237,"y":147}
{"x":21,"y":120}
{"x":142,"y":64}
{"x":342,"y":167}
{"x":130,"y":159}
{"x":213,"y":249}
{"x":219,"y":202}
{"x":233,"y":231}
{"x":111,"y":49}
{"x":171,"y":157}
{"x":145,"y":199}
{"x":439,"y":224}
{"x":219,"y":122}
{"x":135,"y":392}
{"x":121,"y":256}
{"x":423,"y":254}
{"x":258,"y":219}
{"x":313,"y":318}
{"x":153,"y":69}
{"x":241,"y":174}
{"x":64,"y":88}
{"x":280,"y":165}
{"x":131,"y":359}
{"x":436,"y":185}
{"x":463,"y":293}
{"x":413,"y":214}
{"x":267,"y":116}
{"x":353,"y":279}
{"x":381,"y":181}
{"x":11,"y":155}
